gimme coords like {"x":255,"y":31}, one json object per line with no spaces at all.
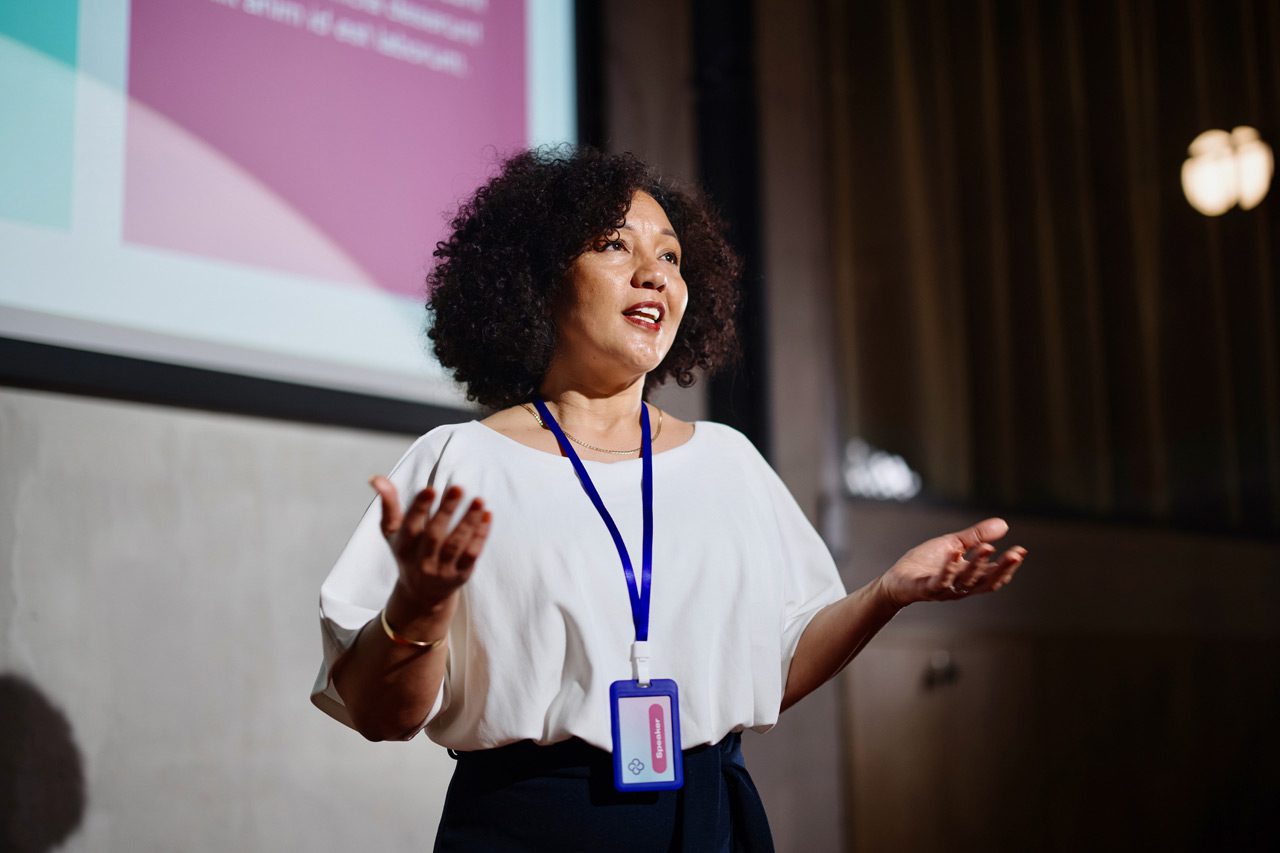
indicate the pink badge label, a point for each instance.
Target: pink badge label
{"x":658,"y":738}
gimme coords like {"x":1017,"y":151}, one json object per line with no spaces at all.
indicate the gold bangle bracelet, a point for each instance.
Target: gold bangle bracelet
{"x":426,"y":645}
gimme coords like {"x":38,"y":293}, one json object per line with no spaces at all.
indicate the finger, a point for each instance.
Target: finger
{"x":996,"y":578}
{"x":416,"y":517}
{"x":456,"y":541}
{"x":1000,"y":571}
{"x":1009,"y":566}
{"x":975,"y":569}
{"x":434,"y":532}
{"x":467,"y":559}
{"x":391,"y":518}
{"x":944,"y":583}
{"x":987,"y":530}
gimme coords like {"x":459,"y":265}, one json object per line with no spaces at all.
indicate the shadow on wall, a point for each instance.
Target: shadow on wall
{"x":42,"y":793}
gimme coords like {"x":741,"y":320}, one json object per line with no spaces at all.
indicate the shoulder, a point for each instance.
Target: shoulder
{"x":441,"y":435}
{"x":434,"y":443}
{"x":728,"y":448}
{"x":727,"y":438}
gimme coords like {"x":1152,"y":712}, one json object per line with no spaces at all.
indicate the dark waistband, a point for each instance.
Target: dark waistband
{"x":713,"y":774}
{"x":576,"y":752}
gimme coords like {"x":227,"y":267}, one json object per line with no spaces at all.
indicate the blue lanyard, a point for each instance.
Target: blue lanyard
{"x":639,"y":598}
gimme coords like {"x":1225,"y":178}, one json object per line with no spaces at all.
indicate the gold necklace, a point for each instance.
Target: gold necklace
{"x":542,"y":424}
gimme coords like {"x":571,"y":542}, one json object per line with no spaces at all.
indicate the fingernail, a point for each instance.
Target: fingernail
{"x":488,"y":516}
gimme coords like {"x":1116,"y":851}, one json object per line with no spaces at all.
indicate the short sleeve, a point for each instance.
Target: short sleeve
{"x":810,"y":579}
{"x":362,"y":579}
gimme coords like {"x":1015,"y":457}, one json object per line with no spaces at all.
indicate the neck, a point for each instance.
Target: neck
{"x":593,"y":407}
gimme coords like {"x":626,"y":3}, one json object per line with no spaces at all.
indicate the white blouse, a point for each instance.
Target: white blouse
{"x":544,"y":624}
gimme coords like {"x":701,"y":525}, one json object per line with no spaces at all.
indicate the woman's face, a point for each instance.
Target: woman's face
{"x":625,"y":296}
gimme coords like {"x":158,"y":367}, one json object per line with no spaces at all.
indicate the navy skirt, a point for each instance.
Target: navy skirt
{"x":561,"y":797}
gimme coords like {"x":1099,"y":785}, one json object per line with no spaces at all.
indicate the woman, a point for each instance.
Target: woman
{"x":507,"y":608}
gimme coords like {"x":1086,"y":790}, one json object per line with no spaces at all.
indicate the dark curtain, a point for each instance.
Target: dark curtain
{"x":1029,"y":310}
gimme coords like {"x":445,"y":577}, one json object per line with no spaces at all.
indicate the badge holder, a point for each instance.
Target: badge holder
{"x":646,"y":730}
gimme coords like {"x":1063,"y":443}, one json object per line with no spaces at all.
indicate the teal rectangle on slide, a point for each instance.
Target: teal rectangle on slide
{"x":38,"y":50}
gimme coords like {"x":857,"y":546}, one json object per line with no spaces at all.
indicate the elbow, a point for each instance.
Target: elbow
{"x":374,"y":721}
{"x":370,"y":722}
{"x":379,"y":733}
{"x":384,"y":727}
{"x":370,"y":732}
{"x":379,"y":713}
{"x":381,"y":728}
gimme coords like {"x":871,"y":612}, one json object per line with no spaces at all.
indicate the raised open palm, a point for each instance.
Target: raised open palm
{"x":955,"y":565}
{"x":434,"y":561}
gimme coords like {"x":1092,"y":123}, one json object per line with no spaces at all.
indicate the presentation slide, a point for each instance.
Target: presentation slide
{"x":257,"y":186}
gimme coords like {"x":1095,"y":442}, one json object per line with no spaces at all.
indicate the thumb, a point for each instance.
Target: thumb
{"x":391,"y":515}
{"x":987,"y":530}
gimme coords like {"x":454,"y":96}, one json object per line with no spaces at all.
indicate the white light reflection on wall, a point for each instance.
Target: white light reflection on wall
{"x":1226,"y":169}
{"x":872,"y":473}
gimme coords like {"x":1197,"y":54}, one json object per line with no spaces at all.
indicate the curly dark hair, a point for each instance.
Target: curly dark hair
{"x":512,"y":243}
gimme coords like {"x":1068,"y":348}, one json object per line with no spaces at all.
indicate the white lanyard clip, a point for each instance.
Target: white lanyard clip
{"x":640,"y":662}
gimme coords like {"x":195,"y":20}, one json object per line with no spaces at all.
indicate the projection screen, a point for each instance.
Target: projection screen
{"x":256,"y":186}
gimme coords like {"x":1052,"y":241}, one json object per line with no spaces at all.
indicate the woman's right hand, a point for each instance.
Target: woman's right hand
{"x":390,"y":682}
{"x":434,"y":561}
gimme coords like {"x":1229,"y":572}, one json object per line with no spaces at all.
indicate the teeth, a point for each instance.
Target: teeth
{"x":650,"y":314}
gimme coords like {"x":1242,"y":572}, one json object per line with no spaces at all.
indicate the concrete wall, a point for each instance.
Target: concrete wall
{"x":159,"y":572}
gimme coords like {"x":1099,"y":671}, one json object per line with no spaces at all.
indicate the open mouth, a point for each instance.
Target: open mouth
{"x":647,"y":315}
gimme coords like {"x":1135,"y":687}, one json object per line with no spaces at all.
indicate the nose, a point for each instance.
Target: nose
{"x":650,"y":277}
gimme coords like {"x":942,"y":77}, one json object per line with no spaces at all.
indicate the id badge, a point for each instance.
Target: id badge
{"x":646,"y":736}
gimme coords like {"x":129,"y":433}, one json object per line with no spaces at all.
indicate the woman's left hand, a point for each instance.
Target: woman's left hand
{"x":957,"y":565}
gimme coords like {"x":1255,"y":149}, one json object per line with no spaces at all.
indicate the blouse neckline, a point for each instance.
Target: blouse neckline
{"x":698,"y":430}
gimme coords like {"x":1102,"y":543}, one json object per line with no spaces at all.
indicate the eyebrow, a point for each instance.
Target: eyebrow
{"x":666,"y":231}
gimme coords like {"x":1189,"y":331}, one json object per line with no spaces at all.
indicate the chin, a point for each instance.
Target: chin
{"x":641,"y":358}
{"x":649,"y":364}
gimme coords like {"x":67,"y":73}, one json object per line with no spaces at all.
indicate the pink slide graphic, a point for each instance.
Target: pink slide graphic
{"x":329,"y":139}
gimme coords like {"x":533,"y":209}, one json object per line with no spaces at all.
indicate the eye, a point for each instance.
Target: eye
{"x":671,"y":258}
{"x":604,"y":244}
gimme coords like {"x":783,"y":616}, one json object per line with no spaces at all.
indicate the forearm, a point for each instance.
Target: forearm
{"x":388,"y":688}
{"x":834,"y":637}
